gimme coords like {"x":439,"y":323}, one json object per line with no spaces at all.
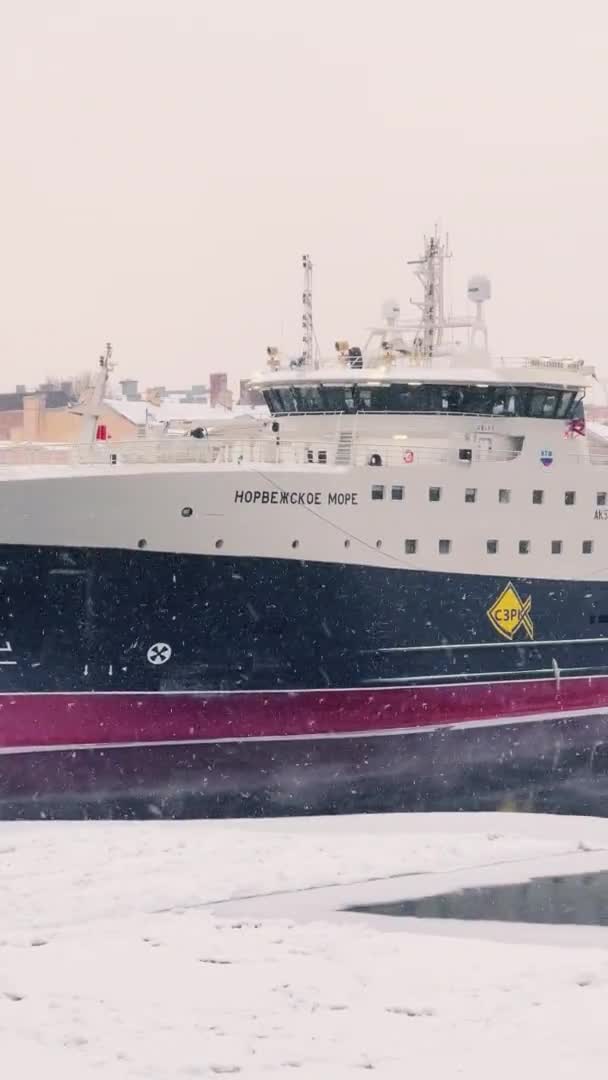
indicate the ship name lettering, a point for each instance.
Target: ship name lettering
{"x":281,"y":498}
{"x":601,"y":515}
{"x":296,"y":498}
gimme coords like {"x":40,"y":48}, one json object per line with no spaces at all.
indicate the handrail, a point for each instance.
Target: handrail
{"x":263,"y":448}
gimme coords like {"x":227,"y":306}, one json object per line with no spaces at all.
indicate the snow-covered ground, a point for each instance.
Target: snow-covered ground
{"x":201,"y":949}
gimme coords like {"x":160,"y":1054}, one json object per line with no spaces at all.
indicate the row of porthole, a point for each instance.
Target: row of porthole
{"x":444,"y":546}
{"x":218,"y":543}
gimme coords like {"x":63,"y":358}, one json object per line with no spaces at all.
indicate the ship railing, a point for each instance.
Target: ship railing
{"x":22,"y":453}
{"x":243,"y":451}
{"x":266,"y":449}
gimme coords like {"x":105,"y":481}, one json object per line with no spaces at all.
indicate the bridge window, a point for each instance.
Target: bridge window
{"x":377,"y":492}
{"x":445,"y":546}
{"x":600,"y":498}
{"x":411,"y":547}
{"x":470,"y":495}
{"x":397,"y":492}
{"x":569,"y":498}
{"x":434,"y":494}
{"x":587,"y":547}
{"x":504,"y":495}
{"x":492,"y":547}
{"x":524,"y":547}
{"x":556,"y":547}
{"x":404,"y":397}
{"x":538,"y":497}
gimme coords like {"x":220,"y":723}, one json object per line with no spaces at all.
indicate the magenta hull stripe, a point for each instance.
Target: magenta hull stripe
{"x":47,"y":720}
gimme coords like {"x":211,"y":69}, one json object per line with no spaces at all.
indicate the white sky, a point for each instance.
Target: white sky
{"x":166,"y":162}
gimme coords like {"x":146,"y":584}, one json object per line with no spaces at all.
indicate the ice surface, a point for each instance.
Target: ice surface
{"x":204,"y":949}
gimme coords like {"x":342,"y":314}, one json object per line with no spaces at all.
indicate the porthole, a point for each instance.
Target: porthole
{"x":219,"y":543}
{"x":295,"y":543}
{"x":378,"y":543}
{"x":347,"y":543}
{"x":187,"y":511}
{"x":142,"y":543}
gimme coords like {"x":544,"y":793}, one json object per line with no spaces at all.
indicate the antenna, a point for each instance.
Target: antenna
{"x":307,"y":323}
{"x":92,"y":409}
{"x":430,"y":275}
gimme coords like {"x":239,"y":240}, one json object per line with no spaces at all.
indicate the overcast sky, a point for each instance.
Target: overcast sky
{"x":166,"y":162}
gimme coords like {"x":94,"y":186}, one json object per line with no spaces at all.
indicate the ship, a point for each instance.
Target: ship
{"x":391,"y":593}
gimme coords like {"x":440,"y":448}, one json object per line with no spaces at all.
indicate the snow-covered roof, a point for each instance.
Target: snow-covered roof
{"x":195,"y":412}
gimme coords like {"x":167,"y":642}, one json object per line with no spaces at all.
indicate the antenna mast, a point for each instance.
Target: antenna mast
{"x":430,"y":275}
{"x":307,"y":323}
{"x":92,"y":408}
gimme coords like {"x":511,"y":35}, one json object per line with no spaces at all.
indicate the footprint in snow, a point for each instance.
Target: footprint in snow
{"x":407,"y":1010}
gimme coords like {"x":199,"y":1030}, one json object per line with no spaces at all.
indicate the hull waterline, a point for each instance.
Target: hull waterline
{"x":231,"y":754}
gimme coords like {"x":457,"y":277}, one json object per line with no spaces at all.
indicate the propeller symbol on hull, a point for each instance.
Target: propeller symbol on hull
{"x":159,"y":653}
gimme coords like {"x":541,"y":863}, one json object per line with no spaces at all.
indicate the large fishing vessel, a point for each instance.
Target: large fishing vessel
{"x":396,"y":587}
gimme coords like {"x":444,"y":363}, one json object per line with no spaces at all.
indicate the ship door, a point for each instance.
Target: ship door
{"x":484,"y":447}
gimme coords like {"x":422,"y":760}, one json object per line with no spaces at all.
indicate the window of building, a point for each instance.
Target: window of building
{"x":587,"y":547}
{"x":445,"y":546}
{"x":556,"y":547}
{"x":504,"y":495}
{"x":492,"y":547}
{"x":538,"y":497}
{"x":524,"y":547}
{"x":470,"y":495}
{"x":434,"y":494}
{"x":569,"y":498}
{"x":397,"y":492}
{"x":411,"y":547}
{"x":377,"y":491}
{"x":601,"y":498}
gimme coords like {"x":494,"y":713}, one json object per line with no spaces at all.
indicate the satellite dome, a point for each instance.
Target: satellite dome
{"x":391,"y":311}
{"x":479,"y":288}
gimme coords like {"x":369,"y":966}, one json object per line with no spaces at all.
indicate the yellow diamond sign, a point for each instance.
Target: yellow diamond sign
{"x":509,"y":613}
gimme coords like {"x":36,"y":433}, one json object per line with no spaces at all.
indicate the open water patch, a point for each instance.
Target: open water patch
{"x":571,"y":899}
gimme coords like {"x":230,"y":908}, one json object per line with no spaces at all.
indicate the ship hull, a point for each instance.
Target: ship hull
{"x":220,"y":685}
{"x":150,"y":770}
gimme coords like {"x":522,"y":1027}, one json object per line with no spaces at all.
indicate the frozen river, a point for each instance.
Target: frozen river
{"x":199,"y":949}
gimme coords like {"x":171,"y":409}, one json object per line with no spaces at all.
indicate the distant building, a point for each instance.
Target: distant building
{"x":35,"y":416}
{"x":218,"y":387}
{"x":129,"y":389}
{"x":248,"y":395}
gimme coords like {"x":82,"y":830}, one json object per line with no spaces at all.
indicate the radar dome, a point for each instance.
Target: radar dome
{"x":479,"y":288}
{"x":391,"y":311}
